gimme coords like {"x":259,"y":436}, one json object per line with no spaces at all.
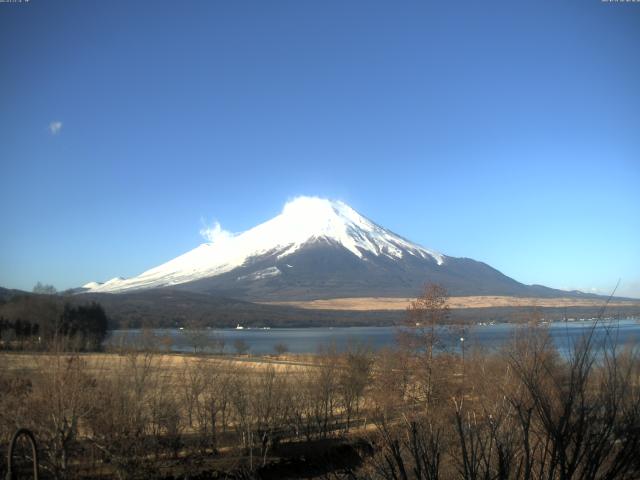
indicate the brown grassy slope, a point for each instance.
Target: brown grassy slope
{"x":389,"y":303}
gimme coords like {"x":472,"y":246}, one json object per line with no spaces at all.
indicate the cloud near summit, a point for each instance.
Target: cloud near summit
{"x":215,"y":233}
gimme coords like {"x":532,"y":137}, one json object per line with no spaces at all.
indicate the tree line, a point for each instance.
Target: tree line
{"x":35,"y":321}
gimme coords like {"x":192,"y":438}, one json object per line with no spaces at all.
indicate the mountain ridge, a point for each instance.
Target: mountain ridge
{"x":318,"y":249}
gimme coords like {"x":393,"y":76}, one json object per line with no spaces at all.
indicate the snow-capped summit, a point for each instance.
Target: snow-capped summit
{"x":306,"y":218}
{"x":304,"y":222}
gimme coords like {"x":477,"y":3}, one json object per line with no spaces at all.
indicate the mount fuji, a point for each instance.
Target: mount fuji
{"x":318,"y":249}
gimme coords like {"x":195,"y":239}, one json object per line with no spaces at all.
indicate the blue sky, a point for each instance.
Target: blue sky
{"x":508,"y":132}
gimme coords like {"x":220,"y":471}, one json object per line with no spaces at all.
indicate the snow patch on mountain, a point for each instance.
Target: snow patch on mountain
{"x":260,"y":274}
{"x":303,"y":220}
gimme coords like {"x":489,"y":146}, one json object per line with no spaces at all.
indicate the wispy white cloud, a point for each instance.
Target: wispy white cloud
{"x":215,"y":233}
{"x":55,"y":127}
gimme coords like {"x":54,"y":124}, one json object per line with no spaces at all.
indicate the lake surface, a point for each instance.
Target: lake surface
{"x":309,"y":340}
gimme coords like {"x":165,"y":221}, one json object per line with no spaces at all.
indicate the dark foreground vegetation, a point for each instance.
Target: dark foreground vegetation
{"x":414,"y":412}
{"x":36,"y":322}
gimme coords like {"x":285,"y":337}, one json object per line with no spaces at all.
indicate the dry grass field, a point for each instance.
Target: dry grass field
{"x":389,"y":303}
{"x":171,"y":365}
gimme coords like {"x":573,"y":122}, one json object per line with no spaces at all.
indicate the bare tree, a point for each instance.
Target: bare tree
{"x":324,"y":389}
{"x":425,"y":315}
{"x":392,"y":376}
{"x":586,"y":410}
{"x":413,"y":449}
{"x":353,"y":378}
{"x":120,"y":425}
{"x":270,"y":407}
{"x":240,"y":399}
{"x":197,"y":337}
{"x":241,"y":347}
{"x":61,"y":398}
{"x":280,"y":349}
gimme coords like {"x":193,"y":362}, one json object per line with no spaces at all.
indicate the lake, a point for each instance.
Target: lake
{"x":308,"y":340}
